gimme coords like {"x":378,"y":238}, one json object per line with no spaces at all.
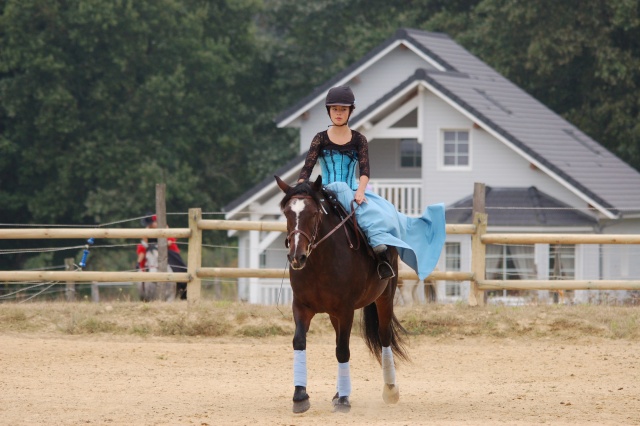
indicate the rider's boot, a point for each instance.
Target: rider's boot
{"x":385,"y":270}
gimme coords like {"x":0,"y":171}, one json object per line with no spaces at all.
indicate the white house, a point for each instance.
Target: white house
{"x":439,"y":119}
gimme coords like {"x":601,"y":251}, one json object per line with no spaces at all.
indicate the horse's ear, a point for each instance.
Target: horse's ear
{"x":317,"y":185}
{"x":282,"y":184}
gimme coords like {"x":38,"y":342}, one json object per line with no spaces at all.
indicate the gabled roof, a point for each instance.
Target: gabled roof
{"x":511,"y":115}
{"x":521,"y":207}
{"x":320,"y":92}
{"x":546,"y":139}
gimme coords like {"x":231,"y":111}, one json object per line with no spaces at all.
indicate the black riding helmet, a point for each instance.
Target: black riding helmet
{"x":340,"y":95}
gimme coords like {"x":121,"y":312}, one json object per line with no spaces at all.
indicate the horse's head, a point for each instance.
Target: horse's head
{"x":302,"y":208}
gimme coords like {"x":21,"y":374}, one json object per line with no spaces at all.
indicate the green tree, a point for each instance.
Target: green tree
{"x":100,"y":100}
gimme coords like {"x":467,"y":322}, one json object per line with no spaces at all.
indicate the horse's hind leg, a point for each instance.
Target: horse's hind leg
{"x":390,"y":391}
{"x":384,"y":306}
{"x":302,"y":318}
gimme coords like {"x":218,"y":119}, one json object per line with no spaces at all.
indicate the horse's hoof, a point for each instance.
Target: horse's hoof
{"x":341,"y":404}
{"x":301,"y":401}
{"x":301,"y":406}
{"x":390,"y":394}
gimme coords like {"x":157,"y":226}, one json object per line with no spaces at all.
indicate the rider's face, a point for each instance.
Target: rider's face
{"x":339,"y":114}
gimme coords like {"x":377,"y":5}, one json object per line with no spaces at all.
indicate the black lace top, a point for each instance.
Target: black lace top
{"x":338,"y":162}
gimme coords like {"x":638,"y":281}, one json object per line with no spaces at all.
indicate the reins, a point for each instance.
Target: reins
{"x":335,"y":228}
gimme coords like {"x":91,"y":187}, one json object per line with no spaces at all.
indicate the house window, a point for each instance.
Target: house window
{"x":562,"y":261}
{"x":455,"y":144}
{"x":452,"y":257}
{"x":410,"y":154}
{"x":510,"y":262}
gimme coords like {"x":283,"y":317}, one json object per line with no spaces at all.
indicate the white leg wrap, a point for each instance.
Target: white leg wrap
{"x":344,"y":379}
{"x":300,"y":368}
{"x":388,"y":367}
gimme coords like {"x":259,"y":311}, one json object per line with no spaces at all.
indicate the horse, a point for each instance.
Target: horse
{"x":329,"y":274}
{"x":409,"y":290}
{"x":150,"y":291}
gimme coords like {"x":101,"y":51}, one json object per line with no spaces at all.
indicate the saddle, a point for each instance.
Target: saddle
{"x":350,"y":226}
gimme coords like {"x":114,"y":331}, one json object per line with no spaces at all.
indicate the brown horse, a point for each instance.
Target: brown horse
{"x":329,"y":274}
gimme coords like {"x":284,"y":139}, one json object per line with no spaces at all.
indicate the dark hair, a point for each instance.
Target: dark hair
{"x":148,"y":219}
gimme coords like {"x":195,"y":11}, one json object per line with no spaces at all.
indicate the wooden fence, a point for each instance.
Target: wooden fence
{"x":195,"y":272}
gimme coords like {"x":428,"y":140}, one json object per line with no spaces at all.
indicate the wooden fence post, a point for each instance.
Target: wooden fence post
{"x":194,"y":260}
{"x":478,"y":249}
{"x":161,"y":215}
{"x":70,"y":290}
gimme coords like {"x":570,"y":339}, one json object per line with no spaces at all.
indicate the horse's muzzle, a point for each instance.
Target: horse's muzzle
{"x":297,"y":262}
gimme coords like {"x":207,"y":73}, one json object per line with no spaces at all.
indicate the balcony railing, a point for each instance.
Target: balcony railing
{"x":405,"y":194}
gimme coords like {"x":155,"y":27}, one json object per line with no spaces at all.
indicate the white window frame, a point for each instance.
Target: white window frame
{"x":441,"y":154}
{"x":453,"y":286}
{"x":508,"y":269}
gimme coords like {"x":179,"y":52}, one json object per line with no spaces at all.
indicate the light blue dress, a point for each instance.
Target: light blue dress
{"x":419,"y":240}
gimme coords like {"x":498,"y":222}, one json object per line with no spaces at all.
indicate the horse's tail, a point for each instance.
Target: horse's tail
{"x":371,"y":335}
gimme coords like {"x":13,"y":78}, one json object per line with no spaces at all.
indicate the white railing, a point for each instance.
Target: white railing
{"x":405,"y":194}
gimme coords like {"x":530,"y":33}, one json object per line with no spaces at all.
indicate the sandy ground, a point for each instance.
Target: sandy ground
{"x":244,"y":381}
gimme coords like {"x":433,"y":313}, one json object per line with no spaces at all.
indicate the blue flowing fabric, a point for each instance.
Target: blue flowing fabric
{"x":419,"y":240}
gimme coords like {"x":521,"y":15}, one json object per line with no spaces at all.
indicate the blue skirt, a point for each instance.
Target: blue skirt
{"x":419,"y":240}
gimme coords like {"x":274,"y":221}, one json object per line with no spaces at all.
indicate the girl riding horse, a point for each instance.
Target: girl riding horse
{"x":338,"y":279}
{"x":339,"y":149}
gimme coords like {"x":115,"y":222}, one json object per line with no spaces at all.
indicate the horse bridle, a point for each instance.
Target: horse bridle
{"x":312,"y":238}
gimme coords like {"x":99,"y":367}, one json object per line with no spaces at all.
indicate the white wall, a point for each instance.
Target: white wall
{"x":384,"y":160}
{"x":492,"y":162}
{"x":243,"y":262}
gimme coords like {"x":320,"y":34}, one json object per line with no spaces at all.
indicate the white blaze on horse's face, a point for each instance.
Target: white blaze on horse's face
{"x":297,"y":206}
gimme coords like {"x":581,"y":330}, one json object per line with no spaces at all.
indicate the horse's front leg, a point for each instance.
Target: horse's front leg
{"x":302,"y":317}
{"x":342,"y":326}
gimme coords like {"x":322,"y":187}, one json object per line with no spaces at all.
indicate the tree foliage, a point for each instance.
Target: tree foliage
{"x":579,"y":58}
{"x":101,"y":100}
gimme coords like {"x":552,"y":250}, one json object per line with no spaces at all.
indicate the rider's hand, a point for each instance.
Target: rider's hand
{"x":359,"y":197}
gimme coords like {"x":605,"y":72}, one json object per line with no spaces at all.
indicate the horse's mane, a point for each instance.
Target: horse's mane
{"x":305,"y":188}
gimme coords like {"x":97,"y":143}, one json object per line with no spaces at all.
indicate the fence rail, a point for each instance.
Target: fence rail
{"x":195,"y":272}
{"x":284,"y":273}
{"x":71,"y":233}
{"x":555,"y":285}
{"x":82,"y":276}
{"x":560,"y":239}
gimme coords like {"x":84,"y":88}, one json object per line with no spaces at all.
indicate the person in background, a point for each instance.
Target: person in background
{"x":174,"y":259}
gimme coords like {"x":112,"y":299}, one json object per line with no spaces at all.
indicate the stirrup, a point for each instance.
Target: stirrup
{"x":385,"y":270}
